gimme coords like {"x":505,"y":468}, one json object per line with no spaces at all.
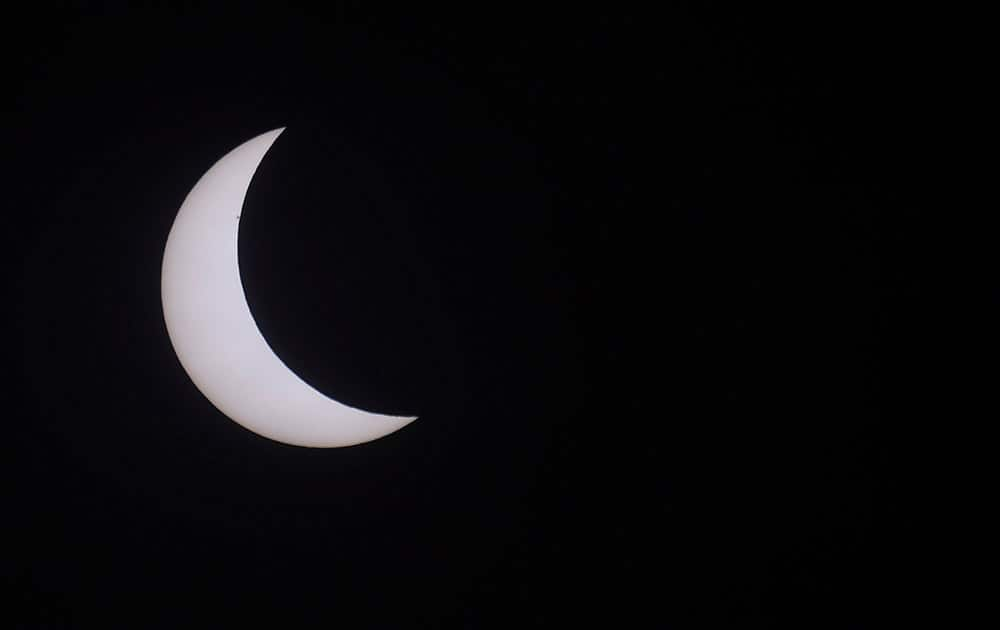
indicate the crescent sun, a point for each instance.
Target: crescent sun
{"x":215,"y":336}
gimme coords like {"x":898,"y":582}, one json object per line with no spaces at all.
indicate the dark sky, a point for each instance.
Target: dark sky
{"x":640,"y":275}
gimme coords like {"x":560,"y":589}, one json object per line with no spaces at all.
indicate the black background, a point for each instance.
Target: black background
{"x":641,"y":276}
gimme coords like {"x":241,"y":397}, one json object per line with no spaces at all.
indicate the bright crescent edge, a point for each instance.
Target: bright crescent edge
{"x":213,"y":332}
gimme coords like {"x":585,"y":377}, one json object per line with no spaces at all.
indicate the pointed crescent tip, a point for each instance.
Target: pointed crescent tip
{"x":272,"y":134}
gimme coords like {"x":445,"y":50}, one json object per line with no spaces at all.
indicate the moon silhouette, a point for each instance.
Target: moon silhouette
{"x":215,"y":336}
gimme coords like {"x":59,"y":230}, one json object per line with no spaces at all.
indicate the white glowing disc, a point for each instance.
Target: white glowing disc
{"x":215,"y":336}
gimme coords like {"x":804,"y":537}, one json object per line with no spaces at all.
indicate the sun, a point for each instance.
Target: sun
{"x":215,"y":336}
